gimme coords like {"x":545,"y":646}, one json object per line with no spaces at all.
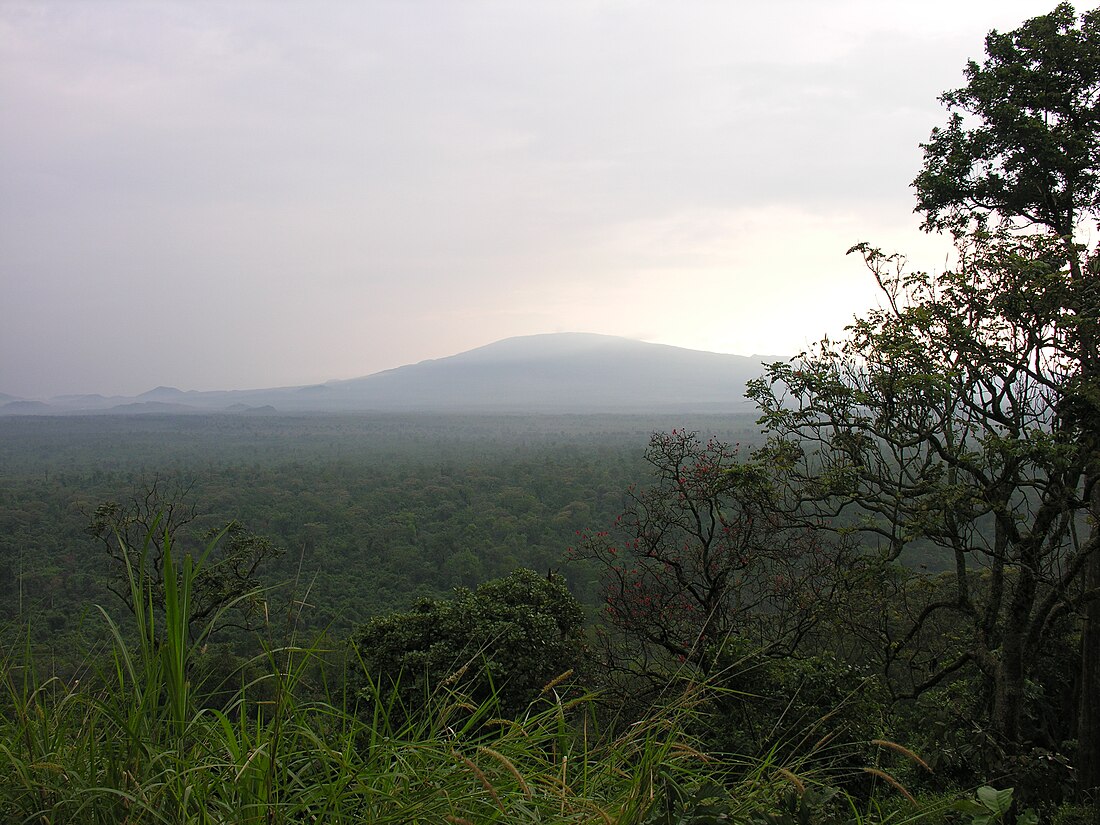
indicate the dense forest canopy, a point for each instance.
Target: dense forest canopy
{"x":374,"y":511}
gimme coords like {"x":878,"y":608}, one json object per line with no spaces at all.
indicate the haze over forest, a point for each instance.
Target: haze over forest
{"x":539,"y":373}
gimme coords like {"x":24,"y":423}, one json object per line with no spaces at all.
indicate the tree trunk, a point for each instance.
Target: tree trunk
{"x":1088,"y":714}
{"x":1088,"y":717}
{"x":1008,"y":692}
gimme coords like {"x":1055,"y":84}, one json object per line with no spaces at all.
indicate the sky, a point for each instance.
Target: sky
{"x":232,"y":195}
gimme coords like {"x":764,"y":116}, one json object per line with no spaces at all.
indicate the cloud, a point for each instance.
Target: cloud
{"x":220,"y":195}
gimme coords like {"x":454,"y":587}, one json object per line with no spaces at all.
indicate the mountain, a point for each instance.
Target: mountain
{"x":26,"y":408}
{"x":559,"y":372}
{"x":163,"y":394}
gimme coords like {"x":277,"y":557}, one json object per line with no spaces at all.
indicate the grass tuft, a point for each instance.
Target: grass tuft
{"x":138,"y":740}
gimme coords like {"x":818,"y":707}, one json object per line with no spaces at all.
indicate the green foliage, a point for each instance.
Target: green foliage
{"x":138,"y":739}
{"x":815,"y":710}
{"x":413,"y":505}
{"x":509,"y":638}
{"x":963,"y":412}
{"x":942,"y":436}
{"x":812,"y":806}
{"x":138,"y":537}
{"x":1075,"y":815}
{"x":704,"y":555}
{"x":1024,"y":133}
{"x":133,"y":743}
{"x":990,"y":806}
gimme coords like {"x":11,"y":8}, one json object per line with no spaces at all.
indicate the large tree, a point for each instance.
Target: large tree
{"x":1022,"y":142}
{"x":965,"y":413}
{"x":1022,"y":146}
{"x":135,"y":536}
{"x":706,"y":575}
{"x":706,"y":559}
{"x":508,"y":639}
{"x":934,"y":426}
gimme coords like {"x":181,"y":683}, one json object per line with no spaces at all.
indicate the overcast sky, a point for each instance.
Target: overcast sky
{"x":226,"y":195}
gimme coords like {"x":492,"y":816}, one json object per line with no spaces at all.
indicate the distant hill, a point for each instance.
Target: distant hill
{"x":26,"y":408}
{"x":559,"y":372}
{"x":167,"y":394}
{"x":146,"y":407}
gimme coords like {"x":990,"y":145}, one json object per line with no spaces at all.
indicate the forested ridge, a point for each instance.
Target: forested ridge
{"x":877,"y":600}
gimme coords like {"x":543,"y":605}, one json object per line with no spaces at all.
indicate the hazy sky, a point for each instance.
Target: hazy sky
{"x":217,"y":195}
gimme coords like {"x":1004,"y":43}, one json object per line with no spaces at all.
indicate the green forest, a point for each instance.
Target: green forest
{"x":875,"y":600}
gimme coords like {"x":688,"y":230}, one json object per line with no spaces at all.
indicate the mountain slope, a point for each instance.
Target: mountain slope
{"x":559,"y":372}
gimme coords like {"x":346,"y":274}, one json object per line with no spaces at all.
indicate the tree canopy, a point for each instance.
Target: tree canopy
{"x":507,"y":640}
{"x":704,"y":559}
{"x":964,"y":413}
{"x":136,"y":536}
{"x":1023,"y":137}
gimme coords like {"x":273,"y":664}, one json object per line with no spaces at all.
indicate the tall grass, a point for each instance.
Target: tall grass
{"x":135,"y":744}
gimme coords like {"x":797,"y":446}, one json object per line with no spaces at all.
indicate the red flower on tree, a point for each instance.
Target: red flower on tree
{"x":709,"y":552}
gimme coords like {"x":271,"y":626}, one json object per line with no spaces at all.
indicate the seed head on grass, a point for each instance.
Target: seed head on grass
{"x":508,"y":766}
{"x":904,"y":751}
{"x":885,"y":777}
{"x":557,"y":680}
{"x":485,"y":783}
{"x":454,"y":677}
{"x":681,"y":749}
{"x":604,"y":816}
{"x":794,"y":780}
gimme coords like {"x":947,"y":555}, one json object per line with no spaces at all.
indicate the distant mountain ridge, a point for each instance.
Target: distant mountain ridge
{"x":553,"y":372}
